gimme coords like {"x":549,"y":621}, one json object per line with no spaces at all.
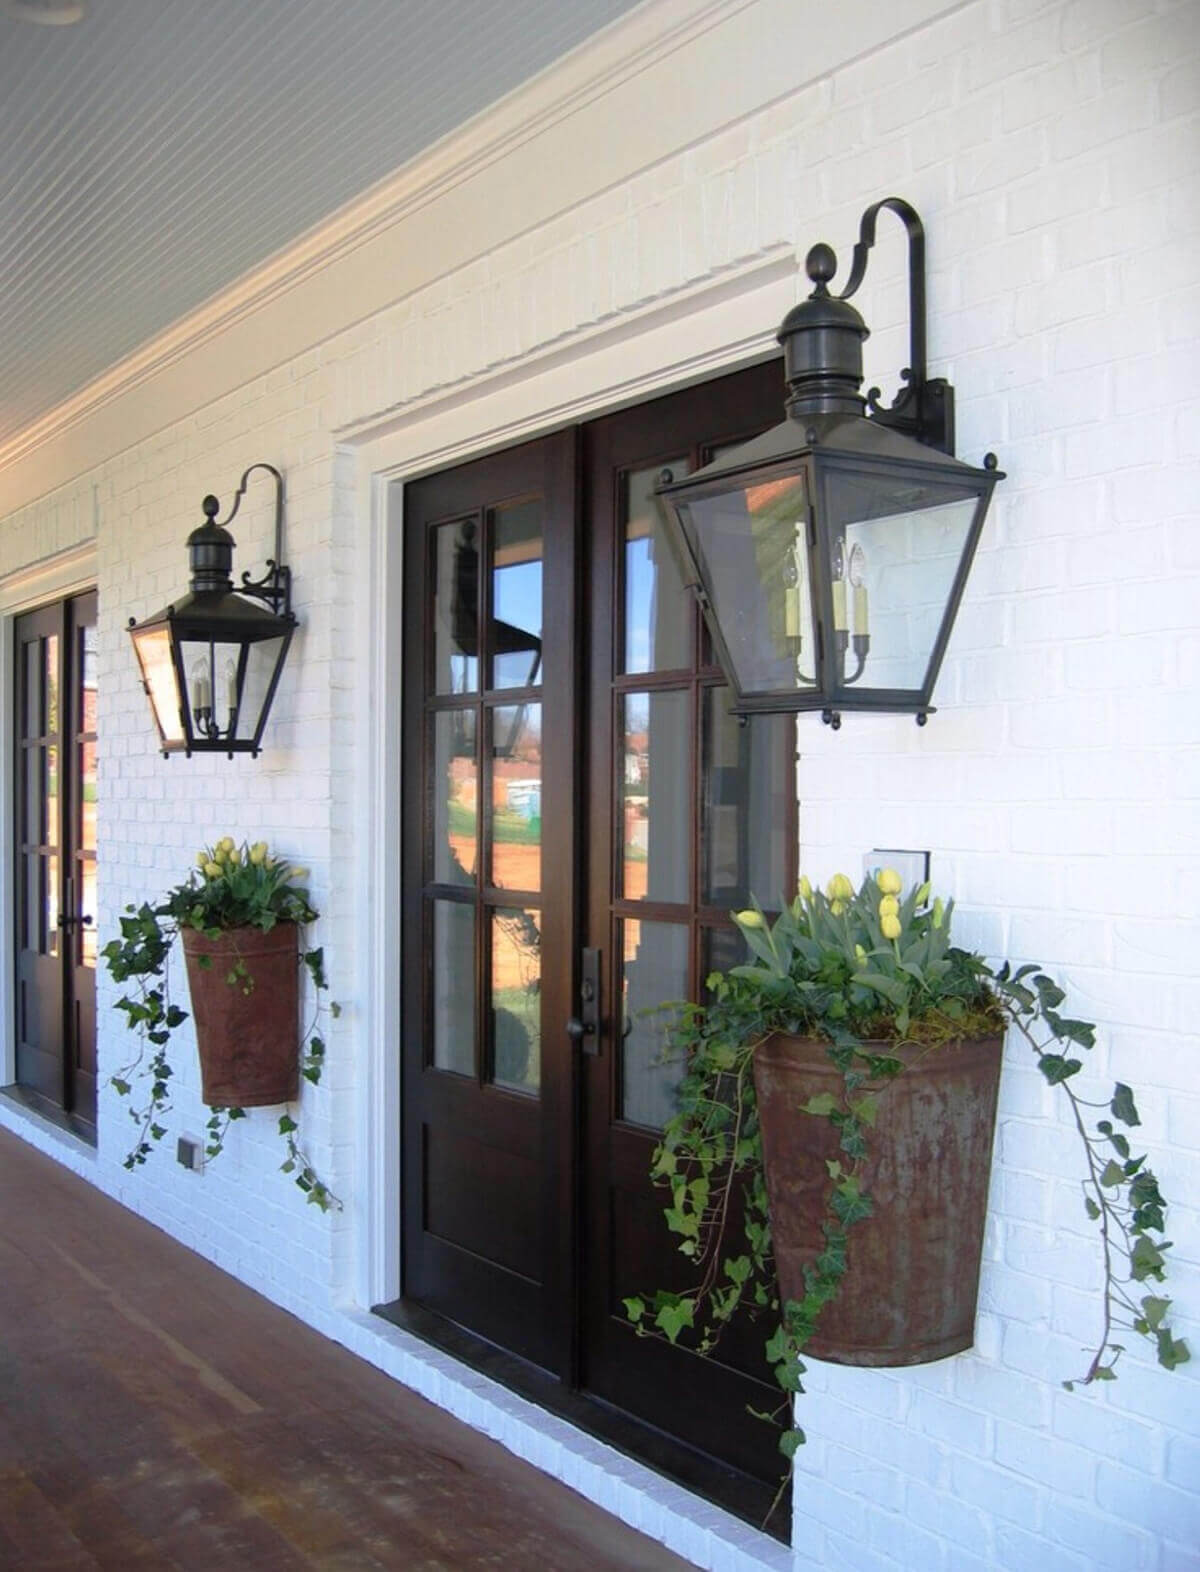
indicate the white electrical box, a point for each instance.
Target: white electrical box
{"x":912,"y":866}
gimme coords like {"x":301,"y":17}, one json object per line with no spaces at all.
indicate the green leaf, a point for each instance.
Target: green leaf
{"x":790,"y":1442}
{"x":675,"y":1318}
{"x":119,"y":1086}
{"x":1104,"y":1373}
{"x":635,"y":1309}
{"x":287,"y":1124}
{"x":1113,"y":1174}
{"x":1122,"y":1105}
{"x":1093,"y":1210}
{"x":1057,"y":1069}
{"x":822,"y":1105}
{"x":1145,"y":1259}
{"x":1172,"y":1351}
{"x":867,"y":1109}
{"x":1155,"y":1310}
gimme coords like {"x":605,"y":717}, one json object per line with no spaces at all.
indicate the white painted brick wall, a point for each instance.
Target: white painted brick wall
{"x":1053,"y":151}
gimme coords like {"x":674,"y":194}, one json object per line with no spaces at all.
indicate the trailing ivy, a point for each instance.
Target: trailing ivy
{"x":861,"y":968}
{"x":231,"y":887}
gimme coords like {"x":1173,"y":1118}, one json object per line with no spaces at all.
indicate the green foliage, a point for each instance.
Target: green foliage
{"x":859,"y":969}
{"x":231,"y":887}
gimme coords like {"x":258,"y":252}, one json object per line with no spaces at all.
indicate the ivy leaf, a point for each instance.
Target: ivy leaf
{"x":1113,"y":1174}
{"x":674,"y":1318}
{"x":120,"y":1087}
{"x":1154,"y":1310}
{"x":1093,"y":1210}
{"x":1145,"y":1260}
{"x":1123,"y":1106}
{"x":1057,"y":1069}
{"x":635,"y":1309}
{"x":1172,"y":1351}
{"x":867,"y":1109}
{"x":287,"y":1124}
{"x":790,"y":1441}
{"x":822,"y":1105}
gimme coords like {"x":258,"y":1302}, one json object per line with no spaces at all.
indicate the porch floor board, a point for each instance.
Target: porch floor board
{"x":156,"y":1414}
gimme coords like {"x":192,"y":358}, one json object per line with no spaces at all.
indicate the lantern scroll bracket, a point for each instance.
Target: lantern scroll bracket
{"x":924,"y":407}
{"x":275,"y":586}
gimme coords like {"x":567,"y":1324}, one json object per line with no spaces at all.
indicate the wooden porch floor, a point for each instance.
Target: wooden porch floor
{"x":156,"y":1414}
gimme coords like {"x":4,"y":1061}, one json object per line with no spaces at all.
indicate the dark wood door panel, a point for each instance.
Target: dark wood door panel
{"x":55,"y":856}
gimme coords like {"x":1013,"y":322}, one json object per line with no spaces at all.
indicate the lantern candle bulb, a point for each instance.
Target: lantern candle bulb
{"x":839,"y":605}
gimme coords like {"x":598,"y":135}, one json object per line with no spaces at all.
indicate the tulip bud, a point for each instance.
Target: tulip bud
{"x":297,"y":873}
{"x":837,"y":907}
{"x":891,"y":927}
{"x":860,"y":954}
{"x":889,"y":881}
{"x":805,"y":888}
{"x":939,"y":912}
{"x":839,"y":888}
{"x":749,"y":919}
{"x":226,"y":843}
{"x":258,"y":853}
{"x":889,"y":906}
{"x":213,"y":870}
{"x":203,"y":858}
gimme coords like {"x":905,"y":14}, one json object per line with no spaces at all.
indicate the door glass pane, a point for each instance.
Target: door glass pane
{"x":747,"y":773}
{"x":454,"y":987}
{"x":87,"y":932}
{"x":51,"y":816}
{"x":35,"y":799}
{"x":31,"y":655}
{"x":515,"y":635}
{"x":455,"y":797}
{"x":87,"y":674}
{"x":655,"y":796}
{"x":659,"y":612}
{"x":654,"y":972}
{"x":720,"y":948}
{"x":50,"y":646}
{"x":517,"y":797}
{"x":51,"y":899}
{"x":456,"y":607}
{"x":87,"y":796}
{"x":516,"y":1003}
{"x":33,"y":908}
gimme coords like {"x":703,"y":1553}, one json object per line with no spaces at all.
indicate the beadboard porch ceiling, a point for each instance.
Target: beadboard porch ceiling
{"x":155,"y":151}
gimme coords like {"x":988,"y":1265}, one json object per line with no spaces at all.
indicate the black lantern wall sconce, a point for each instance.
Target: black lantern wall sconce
{"x":831,"y":553}
{"x":211,"y":662}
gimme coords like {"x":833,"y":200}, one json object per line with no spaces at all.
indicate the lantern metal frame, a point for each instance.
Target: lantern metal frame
{"x":215,"y":612}
{"x":832,"y":428}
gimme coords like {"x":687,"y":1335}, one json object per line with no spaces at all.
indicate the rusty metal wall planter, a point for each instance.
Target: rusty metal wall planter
{"x":248,"y":1030}
{"x":912,"y":1275}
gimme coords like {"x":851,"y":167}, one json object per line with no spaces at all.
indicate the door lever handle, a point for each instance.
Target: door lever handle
{"x":65,"y":921}
{"x":584,"y":1028}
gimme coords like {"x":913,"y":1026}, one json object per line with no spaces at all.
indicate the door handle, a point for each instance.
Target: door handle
{"x":65,"y":921}
{"x":584,"y":1028}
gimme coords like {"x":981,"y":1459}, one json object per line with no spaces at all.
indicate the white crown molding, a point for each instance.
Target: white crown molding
{"x":705,"y":65}
{"x":611,"y":57}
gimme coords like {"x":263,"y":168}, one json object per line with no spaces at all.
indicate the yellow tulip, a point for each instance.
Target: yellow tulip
{"x":889,"y":881}
{"x":859,"y":954}
{"x":297,"y":873}
{"x":749,"y":919}
{"x":891,"y":927}
{"x":839,"y":888}
{"x":203,"y":858}
{"x":226,"y":843}
{"x":837,"y":907}
{"x":213,"y":870}
{"x":258,"y":853}
{"x":805,"y":888}
{"x":889,"y":906}
{"x":939,"y":912}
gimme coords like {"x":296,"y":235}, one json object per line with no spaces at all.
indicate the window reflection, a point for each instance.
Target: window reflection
{"x":658,"y":610}
{"x":517,"y":796}
{"x":655,"y":794}
{"x":516,"y":1004}
{"x":654,"y":972}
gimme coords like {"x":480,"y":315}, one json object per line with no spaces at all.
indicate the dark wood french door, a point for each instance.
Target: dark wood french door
{"x":583,"y":811}
{"x":55,"y":842}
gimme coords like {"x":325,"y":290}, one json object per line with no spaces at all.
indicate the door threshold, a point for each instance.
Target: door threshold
{"x":29,"y":1101}
{"x":739,"y":1494}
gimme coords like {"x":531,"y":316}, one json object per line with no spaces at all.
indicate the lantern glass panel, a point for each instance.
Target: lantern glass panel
{"x":262,"y":664}
{"x":750,"y":546}
{"x":210,"y":674}
{"x":899,"y":547}
{"x":153,"y":647}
